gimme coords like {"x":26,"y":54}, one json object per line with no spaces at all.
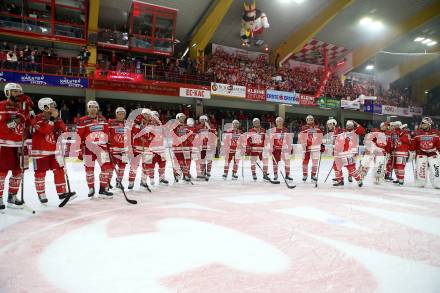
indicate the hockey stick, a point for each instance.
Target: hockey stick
{"x":66,"y":200}
{"x":317,"y":173}
{"x":282,"y":175}
{"x":270,"y":180}
{"x":131,"y":201}
{"x":22,"y":163}
{"x":329,"y":172}
{"x":70,"y":193}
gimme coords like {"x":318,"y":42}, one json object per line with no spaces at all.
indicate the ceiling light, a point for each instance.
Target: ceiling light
{"x":365,"y":21}
{"x":298,"y":1}
{"x":419,"y":39}
{"x":369,"y":67}
{"x":426,"y":41}
{"x":377,"y":25}
{"x":432,"y":43}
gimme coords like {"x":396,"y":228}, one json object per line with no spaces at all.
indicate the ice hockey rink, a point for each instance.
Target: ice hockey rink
{"x":226,"y":236}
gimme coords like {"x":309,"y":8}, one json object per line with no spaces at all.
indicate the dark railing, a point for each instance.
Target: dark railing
{"x":152,"y":72}
{"x":70,"y":66}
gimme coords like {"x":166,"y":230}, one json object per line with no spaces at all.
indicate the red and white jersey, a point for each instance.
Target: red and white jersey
{"x":348,"y":141}
{"x":330,"y":136}
{"x":232,"y":139}
{"x":376,"y":142}
{"x":425,"y":142}
{"x":45,"y":135}
{"x":139,"y":134}
{"x":117,"y":139}
{"x":155,"y":139}
{"x":93,"y":130}
{"x":10,"y":111}
{"x":182,"y":137}
{"x":256,"y":139}
{"x":310,"y":137}
{"x":280,"y":136}
{"x":401,"y":140}
{"x":203,"y":130}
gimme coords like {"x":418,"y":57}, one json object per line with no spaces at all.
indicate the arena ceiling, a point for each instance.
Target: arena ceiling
{"x":286,"y":17}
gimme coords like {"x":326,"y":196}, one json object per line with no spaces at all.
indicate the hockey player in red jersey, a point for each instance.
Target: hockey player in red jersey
{"x":426,"y":144}
{"x":256,"y":138}
{"x":155,"y":144}
{"x":93,"y":132}
{"x":344,"y":144}
{"x":182,"y":134}
{"x":401,"y":140}
{"x":329,"y":142}
{"x":47,"y":155}
{"x":231,"y":141}
{"x":205,"y":143}
{"x":310,"y":138}
{"x":390,"y":160}
{"x":280,"y":142}
{"x":377,"y":147}
{"x":14,"y":119}
{"x":139,"y":136}
{"x":118,"y":145}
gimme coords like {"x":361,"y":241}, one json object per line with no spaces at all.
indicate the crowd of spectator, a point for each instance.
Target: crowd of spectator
{"x":240,"y":70}
{"x":221,"y":67}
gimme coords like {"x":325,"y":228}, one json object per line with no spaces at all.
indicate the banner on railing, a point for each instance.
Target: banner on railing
{"x":416,"y":111}
{"x":282,"y":97}
{"x":372,"y":107}
{"x":147,"y":87}
{"x":43,"y":79}
{"x":255,"y":94}
{"x":195,"y":93}
{"x":325,"y":102}
{"x":118,"y":75}
{"x":228,"y":90}
{"x":389,"y":110}
{"x":307,"y":100}
{"x":405,"y":112}
{"x":354,"y":105}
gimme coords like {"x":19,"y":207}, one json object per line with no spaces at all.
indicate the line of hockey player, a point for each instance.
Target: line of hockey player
{"x":140,"y":140}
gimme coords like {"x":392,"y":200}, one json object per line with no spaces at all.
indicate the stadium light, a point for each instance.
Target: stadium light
{"x":377,"y":25}
{"x":419,"y":39}
{"x":426,"y":41}
{"x":369,"y":67}
{"x":365,"y":21}
{"x":432,"y":43}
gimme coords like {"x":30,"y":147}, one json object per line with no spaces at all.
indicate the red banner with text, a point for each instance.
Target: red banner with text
{"x":255,"y":94}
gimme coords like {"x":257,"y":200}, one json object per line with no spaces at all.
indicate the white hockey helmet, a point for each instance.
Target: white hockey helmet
{"x":236,"y":122}
{"x":427,"y":120}
{"x":10,"y":87}
{"x":203,"y":118}
{"x":190,"y":122}
{"x":146,"y":111}
{"x":155,"y":113}
{"x":180,"y":115}
{"x":255,"y":120}
{"x":332,"y":121}
{"x":45,"y":102}
{"x":279,"y":119}
{"x":92,"y":104}
{"x":349,"y":123}
{"x":396,"y":124}
{"x":120,"y":109}
{"x":310,"y":118}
